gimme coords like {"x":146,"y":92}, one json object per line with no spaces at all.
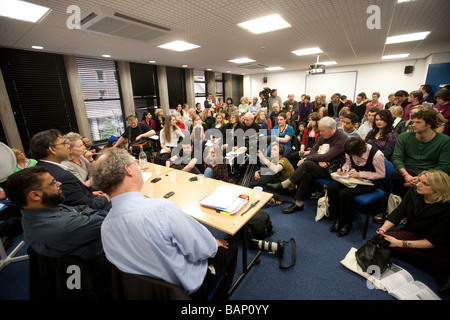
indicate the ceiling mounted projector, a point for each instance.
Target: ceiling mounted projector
{"x":316,"y":68}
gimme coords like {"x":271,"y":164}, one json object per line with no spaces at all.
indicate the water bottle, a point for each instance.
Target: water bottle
{"x":143,"y":164}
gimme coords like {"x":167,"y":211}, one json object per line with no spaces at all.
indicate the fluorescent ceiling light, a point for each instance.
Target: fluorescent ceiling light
{"x":407,"y":37}
{"x":395,"y":56}
{"x":328,"y":63}
{"x":304,"y":52}
{"x":37,"y":47}
{"x":152,"y":61}
{"x":22,"y":10}
{"x":106,"y":56}
{"x":242,"y":60}
{"x":274,"y":68}
{"x":265,"y":24}
{"x":178,"y":46}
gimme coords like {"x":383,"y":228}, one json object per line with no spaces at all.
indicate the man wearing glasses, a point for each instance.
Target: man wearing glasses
{"x":50,"y":149}
{"x":51,"y":228}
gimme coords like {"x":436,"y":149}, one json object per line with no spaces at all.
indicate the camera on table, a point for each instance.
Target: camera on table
{"x":270,"y":246}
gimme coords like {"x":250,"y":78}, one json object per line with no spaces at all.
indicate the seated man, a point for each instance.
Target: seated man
{"x":134,"y":133}
{"x":423,"y":149}
{"x":369,"y":123}
{"x":50,"y":149}
{"x":187,"y":160}
{"x":154,"y":237}
{"x":275,"y":170}
{"x":317,"y":163}
{"x":349,"y":125}
{"x":51,"y":228}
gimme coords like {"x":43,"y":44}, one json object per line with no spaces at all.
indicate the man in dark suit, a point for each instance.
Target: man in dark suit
{"x":50,"y":149}
{"x":335,"y":106}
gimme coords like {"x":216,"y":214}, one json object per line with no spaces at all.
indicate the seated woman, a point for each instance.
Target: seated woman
{"x":368,"y":163}
{"x":215,"y":166}
{"x":277,"y":169}
{"x":208,"y":119}
{"x":148,"y":121}
{"x":79,"y":159}
{"x":397,"y":114}
{"x":22,"y":161}
{"x":308,"y":139}
{"x":283,"y":133}
{"x":169,"y":138}
{"x":261,"y":119}
{"x":228,"y":131}
{"x":425,"y":238}
{"x":382,"y":135}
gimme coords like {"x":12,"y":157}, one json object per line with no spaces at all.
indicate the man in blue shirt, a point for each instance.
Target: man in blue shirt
{"x":154,"y":237}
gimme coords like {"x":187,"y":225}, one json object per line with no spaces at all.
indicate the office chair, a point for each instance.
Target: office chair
{"x":368,"y":198}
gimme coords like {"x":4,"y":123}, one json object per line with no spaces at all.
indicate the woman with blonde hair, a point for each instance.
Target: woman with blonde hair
{"x":397,"y":114}
{"x":79,"y":159}
{"x":22,"y":161}
{"x":168,"y":138}
{"x":425,"y":239}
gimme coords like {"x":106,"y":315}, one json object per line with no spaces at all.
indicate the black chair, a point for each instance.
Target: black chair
{"x":127,"y":286}
{"x":53,"y":278}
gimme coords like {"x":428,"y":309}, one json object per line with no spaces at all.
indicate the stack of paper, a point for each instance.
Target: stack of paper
{"x":225,"y":198}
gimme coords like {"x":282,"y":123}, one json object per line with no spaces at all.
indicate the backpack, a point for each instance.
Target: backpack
{"x":260,"y":226}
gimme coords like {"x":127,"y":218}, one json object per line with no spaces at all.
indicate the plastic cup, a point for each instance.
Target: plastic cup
{"x":200,"y":178}
{"x":257,"y":192}
{"x":173,"y":176}
{"x":158,"y":170}
{"x":148,"y":189}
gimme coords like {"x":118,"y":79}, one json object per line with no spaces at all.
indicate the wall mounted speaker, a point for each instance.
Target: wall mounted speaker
{"x":265,"y":79}
{"x":409,"y":69}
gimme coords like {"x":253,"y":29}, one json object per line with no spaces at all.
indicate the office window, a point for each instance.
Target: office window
{"x":144,"y":81}
{"x":200,"y":85}
{"x":100,"y":86}
{"x":38,"y":91}
{"x":219,"y":86}
{"x":176,"y":85}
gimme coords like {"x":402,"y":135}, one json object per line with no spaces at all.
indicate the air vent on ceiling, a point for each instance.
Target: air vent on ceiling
{"x":252,"y":66}
{"x":104,"y":20}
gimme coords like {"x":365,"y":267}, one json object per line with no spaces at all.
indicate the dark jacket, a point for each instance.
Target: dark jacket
{"x":75,"y":192}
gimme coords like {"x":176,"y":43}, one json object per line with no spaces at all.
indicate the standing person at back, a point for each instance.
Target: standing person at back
{"x":374,"y":103}
{"x":274,"y":97}
{"x":335,"y":106}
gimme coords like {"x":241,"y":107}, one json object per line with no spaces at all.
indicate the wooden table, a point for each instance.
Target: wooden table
{"x":187,"y":196}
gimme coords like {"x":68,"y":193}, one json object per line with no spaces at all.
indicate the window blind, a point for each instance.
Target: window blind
{"x":38,"y":91}
{"x":100,"y":85}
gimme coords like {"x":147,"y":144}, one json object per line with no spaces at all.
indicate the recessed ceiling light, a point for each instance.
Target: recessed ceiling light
{"x":304,"y":52}
{"x":242,"y":60}
{"x":184,"y":65}
{"x":106,"y":56}
{"x":208,"y":69}
{"x":395,"y":56}
{"x":265,"y":24}
{"x":274,"y":68}
{"x":328,"y":63}
{"x":407,"y":37}
{"x":179,"y":46}
{"x":21,"y":10}
{"x":37,"y":47}
{"x":152,"y":61}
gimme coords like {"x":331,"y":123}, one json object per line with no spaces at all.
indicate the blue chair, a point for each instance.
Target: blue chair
{"x":368,"y":198}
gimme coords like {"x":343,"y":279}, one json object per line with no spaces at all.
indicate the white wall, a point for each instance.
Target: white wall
{"x":385,"y":77}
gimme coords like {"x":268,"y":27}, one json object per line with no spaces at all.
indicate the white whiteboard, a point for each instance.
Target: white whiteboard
{"x":331,"y":83}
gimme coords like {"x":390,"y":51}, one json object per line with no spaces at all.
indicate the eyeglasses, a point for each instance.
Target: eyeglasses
{"x":57,"y":144}
{"x":52,"y":184}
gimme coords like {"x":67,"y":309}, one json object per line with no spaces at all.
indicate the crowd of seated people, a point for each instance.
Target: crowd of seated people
{"x":296,"y":143}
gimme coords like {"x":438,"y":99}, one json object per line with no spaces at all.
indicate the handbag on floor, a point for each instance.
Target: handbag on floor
{"x":375,"y":252}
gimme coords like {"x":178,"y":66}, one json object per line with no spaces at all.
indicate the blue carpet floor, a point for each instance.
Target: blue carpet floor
{"x":317,"y":275}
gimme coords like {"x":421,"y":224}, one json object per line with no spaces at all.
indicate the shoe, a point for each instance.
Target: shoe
{"x":277,"y":187}
{"x":344,"y":230}
{"x":292,"y":209}
{"x":317,"y":195}
{"x":335,"y":226}
{"x":378,"y":218}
